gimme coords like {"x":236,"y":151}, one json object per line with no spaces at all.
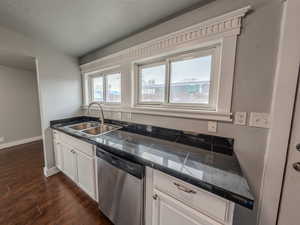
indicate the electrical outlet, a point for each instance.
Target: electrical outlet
{"x":259,"y":120}
{"x":240,"y":118}
{"x":149,"y":128}
{"x":2,"y":139}
{"x":212,"y":126}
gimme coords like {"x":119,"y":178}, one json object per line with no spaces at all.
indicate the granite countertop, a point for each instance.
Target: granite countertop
{"x":213,"y":171}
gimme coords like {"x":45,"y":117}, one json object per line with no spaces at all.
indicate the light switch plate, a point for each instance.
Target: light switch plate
{"x":212,"y":126}
{"x":240,"y":118}
{"x":1,"y":139}
{"x":259,"y":120}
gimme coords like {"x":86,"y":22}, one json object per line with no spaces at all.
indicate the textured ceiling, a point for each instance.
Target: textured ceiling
{"x":79,"y":26}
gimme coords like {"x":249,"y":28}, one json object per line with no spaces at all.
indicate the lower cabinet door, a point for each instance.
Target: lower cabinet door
{"x":169,"y":211}
{"x":58,"y":155}
{"x":86,"y":173}
{"x":69,"y":162}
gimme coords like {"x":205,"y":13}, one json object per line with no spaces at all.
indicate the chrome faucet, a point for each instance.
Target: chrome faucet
{"x":101,"y":115}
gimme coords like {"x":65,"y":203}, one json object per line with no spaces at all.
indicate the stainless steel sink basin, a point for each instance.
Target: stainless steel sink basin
{"x":83,"y":126}
{"x":102,"y":129}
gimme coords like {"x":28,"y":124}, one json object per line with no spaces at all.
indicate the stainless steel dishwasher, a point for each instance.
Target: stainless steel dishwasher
{"x":121,"y":189}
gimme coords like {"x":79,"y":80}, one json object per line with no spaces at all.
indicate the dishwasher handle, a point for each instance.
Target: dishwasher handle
{"x":132,"y":168}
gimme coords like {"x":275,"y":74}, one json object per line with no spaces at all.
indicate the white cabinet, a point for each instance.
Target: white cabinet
{"x":203,"y":201}
{"x":58,"y":155}
{"x":70,"y":162}
{"x":171,"y":201}
{"x":169,"y":211}
{"x":86,"y":173}
{"x":76,"y":159}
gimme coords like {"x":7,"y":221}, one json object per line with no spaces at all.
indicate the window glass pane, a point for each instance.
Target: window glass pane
{"x":97,"y":89}
{"x":152,"y":84}
{"x":113,"y":88}
{"x":190,"y":80}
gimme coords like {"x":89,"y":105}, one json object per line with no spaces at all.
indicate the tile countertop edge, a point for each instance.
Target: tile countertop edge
{"x":241,"y":200}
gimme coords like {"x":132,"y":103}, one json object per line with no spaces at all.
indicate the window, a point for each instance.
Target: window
{"x":152,"y":83}
{"x":188,"y":73}
{"x":190,"y":80}
{"x":98,"y":89}
{"x":105,"y":88}
{"x":113,"y":88}
{"x":186,"y":80}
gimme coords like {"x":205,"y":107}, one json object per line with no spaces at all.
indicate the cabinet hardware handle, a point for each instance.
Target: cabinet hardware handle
{"x":185,"y":189}
{"x":155,"y":196}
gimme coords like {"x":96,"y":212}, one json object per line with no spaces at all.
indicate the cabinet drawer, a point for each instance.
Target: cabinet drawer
{"x":192,"y":196}
{"x":77,"y":144}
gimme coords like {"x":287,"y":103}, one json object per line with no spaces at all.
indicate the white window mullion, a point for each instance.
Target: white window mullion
{"x":167,"y":84}
{"x":91,"y":89}
{"x":104,"y":88}
{"x":216,"y":68}
{"x":213,"y":87}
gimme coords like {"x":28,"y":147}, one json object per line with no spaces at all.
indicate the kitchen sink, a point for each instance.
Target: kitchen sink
{"x":83,"y":126}
{"x":102,"y":129}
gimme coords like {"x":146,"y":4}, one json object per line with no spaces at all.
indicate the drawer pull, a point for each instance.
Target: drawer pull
{"x":185,"y":189}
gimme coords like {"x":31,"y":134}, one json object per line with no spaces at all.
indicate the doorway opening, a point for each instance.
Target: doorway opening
{"x":20,"y":119}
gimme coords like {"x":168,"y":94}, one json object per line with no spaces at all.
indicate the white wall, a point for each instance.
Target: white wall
{"x":59,"y":81}
{"x":254,"y":73}
{"x":20,"y":113}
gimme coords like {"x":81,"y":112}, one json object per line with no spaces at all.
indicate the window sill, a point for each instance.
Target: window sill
{"x":179,"y":113}
{"x":183,"y":113}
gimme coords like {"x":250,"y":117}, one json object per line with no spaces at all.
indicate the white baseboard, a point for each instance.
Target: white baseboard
{"x":51,"y":171}
{"x":20,"y":142}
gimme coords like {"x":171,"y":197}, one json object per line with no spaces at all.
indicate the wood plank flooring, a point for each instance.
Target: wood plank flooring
{"x":29,"y":198}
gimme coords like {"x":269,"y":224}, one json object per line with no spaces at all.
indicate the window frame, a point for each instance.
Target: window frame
{"x":142,"y":66}
{"x":104,"y":75}
{"x":213,"y":50}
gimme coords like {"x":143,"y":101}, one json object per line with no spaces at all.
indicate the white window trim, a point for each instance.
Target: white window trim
{"x":88,"y":89}
{"x":222,"y":30}
{"x":166,"y":104}
{"x":223,"y":64}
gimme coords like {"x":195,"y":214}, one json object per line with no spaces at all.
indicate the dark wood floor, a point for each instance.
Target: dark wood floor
{"x":29,"y":198}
